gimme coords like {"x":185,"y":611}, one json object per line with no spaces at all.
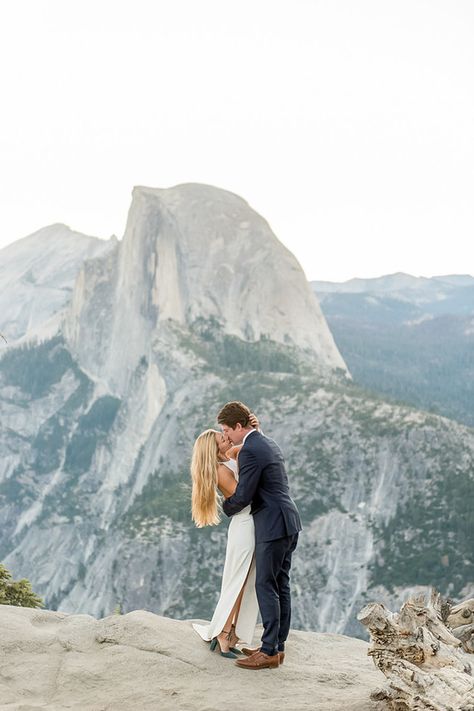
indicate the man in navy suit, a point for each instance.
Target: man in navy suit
{"x":263,"y":482}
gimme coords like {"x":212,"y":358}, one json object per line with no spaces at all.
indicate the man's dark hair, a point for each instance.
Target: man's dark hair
{"x":232,"y":413}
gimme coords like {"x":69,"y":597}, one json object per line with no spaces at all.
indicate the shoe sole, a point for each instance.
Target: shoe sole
{"x":263,"y":666}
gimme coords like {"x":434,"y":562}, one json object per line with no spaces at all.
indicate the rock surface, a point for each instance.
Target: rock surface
{"x":141,"y":661}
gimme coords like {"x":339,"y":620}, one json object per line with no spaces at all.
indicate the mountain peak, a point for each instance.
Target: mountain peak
{"x":194,"y":251}
{"x":188,"y":191}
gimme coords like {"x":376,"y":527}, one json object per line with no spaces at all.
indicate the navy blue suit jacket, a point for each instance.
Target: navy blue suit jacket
{"x":263,"y":482}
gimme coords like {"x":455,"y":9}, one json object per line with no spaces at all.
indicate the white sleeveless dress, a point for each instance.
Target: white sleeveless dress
{"x":239,"y":561}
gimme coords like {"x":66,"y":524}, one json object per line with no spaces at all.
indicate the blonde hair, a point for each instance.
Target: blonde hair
{"x":204,"y":463}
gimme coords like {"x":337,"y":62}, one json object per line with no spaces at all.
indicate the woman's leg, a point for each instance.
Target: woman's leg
{"x":227,"y":637}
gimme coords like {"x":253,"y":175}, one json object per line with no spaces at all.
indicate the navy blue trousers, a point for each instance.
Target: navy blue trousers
{"x":273,"y":563}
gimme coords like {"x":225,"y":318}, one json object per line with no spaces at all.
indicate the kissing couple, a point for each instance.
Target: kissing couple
{"x":247,"y":468}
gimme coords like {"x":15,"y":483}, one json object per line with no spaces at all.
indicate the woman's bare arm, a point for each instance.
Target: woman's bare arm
{"x":226,"y":481}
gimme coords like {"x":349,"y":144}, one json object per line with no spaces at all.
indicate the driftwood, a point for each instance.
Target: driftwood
{"x":426,"y":664}
{"x":461,"y":621}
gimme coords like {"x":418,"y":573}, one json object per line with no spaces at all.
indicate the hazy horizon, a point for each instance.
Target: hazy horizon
{"x":335,"y":281}
{"x":347,"y":126}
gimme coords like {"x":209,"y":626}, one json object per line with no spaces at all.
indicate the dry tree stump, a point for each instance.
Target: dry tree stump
{"x":461,"y":621}
{"x":427,"y":665}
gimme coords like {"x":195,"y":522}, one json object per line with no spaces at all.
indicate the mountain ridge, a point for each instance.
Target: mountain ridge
{"x":389,"y":282}
{"x":37,"y":275}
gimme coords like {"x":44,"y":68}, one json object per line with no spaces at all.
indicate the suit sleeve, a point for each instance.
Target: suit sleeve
{"x":249,"y":477}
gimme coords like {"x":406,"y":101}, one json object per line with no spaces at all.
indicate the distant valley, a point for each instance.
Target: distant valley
{"x":410,"y":339}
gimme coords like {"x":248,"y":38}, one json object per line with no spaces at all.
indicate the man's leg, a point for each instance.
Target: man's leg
{"x":283,"y":583}
{"x":269,"y":560}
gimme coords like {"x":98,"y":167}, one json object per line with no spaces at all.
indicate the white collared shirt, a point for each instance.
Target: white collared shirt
{"x":248,"y":433}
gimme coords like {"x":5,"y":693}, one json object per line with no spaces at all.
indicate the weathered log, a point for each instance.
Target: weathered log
{"x":424,"y":662}
{"x":462,"y":613}
{"x":465,"y":634}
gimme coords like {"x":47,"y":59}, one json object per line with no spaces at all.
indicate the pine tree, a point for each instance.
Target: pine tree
{"x":17,"y":592}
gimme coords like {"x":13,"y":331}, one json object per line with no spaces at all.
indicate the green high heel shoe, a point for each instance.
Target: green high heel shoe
{"x":215,"y":642}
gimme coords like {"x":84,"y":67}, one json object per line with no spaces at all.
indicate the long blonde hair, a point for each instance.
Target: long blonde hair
{"x":205,"y":500}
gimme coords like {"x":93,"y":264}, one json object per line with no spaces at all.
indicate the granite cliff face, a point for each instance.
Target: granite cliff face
{"x":199,"y":303}
{"x":192,"y":253}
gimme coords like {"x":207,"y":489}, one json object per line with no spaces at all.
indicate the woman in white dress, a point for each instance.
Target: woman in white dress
{"x":214,"y":469}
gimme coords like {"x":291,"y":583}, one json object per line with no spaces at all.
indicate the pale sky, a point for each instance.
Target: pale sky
{"x":348,"y":124}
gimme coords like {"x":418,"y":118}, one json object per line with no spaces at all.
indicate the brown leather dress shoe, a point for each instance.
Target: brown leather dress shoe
{"x":259,"y":660}
{"x":248,"y":652}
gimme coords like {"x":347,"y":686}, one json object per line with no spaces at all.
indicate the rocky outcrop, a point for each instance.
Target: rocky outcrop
{"x":50,"y":660}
